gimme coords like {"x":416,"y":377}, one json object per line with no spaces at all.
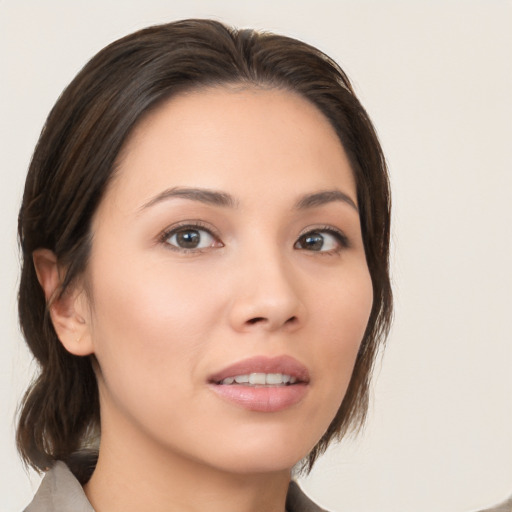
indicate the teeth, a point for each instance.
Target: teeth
{"x":275,"y":378}
{"x":257,"y":378}
{"x":261,"y":379}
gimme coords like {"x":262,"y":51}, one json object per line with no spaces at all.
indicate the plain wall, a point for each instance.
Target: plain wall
{"x":436,"y":77}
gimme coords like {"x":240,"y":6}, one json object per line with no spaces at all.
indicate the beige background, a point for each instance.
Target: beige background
{"x":437,"y":79}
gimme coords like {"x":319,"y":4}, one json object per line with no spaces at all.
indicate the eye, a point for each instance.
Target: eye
{"x":190,"y":238}
{"x":322,"y":240}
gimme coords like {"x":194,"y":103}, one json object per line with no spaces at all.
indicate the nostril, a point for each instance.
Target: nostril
{"x":256,"y":320}
{"x":264,"y":320}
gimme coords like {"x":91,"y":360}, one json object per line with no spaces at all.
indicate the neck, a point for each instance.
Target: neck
{"x":134,"y":474}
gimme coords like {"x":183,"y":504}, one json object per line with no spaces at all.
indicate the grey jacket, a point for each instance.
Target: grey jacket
{"x":60,"y":491}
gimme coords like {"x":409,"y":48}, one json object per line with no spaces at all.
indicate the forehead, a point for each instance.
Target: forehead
{"x":235,"y":139}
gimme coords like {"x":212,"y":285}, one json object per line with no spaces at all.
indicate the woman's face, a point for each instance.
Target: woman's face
{"x":227,"y":246}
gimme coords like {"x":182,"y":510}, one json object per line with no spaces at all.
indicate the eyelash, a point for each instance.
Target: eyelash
{"x":340,"y":237}
{"x":192,"y":226}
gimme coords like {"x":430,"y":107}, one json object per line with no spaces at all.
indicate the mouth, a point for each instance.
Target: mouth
{"x":260,"y":379}
{"x":262,"y":371}
{"x":262,"y":384}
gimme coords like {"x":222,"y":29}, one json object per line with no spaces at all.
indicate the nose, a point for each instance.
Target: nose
{"x":266,"y":296}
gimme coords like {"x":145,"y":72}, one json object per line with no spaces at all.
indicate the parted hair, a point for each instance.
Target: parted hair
{"x":75,"y":158}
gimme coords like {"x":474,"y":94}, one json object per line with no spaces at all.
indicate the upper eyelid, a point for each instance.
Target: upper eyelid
{"x":190,"y":224}
{"x":320,"y":227}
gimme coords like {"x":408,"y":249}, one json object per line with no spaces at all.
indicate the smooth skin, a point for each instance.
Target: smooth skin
{"x":216,"y":242}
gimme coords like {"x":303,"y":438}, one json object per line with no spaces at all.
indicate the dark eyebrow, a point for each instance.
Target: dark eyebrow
{"x":324,"y":197}
{"x":195,"y":194}
{"x":223,"y":199}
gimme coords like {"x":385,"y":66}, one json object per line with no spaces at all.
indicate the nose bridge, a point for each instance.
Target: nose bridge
{"x":267,"y":293}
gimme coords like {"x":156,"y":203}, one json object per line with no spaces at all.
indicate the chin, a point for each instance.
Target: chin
{"x":254,"y":464}
{"x":263,"y":454}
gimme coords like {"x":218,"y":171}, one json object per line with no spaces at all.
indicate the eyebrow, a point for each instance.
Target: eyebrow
{"x":223,"y":199}
{"x":324,"y":197}
{"x":195,"y":194}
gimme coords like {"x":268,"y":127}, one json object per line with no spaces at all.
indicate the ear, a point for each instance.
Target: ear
{"x":69,"y":311}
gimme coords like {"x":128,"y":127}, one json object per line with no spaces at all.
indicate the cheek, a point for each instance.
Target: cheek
{"x":345,"y":308}
{"x":148,"y":319}
{"x":342,"y":316}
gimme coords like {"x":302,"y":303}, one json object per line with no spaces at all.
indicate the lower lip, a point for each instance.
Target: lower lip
{"x":262,"y":398}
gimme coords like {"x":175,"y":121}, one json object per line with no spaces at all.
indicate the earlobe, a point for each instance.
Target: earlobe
{"x":68,"y":310}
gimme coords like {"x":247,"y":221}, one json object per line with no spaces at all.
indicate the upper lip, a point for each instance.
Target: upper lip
{"x":286,"y":365}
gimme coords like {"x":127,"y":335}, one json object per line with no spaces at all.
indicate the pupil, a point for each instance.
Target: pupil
{"x":188,"y":239}
{"x":313,"y":242}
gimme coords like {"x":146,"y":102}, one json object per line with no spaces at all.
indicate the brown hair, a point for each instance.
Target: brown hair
{"x":75,"y":159}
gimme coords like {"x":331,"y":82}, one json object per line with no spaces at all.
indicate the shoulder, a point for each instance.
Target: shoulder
{"x":506,"y":506}
{"x":297,"y":501}
{"x":59,"y":491}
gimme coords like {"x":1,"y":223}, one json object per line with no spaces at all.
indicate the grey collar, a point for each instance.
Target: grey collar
{"x":60,"y":491}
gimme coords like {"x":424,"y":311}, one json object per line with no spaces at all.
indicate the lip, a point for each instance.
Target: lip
{"x":262,"y":398}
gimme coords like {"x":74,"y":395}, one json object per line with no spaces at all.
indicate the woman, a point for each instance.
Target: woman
{"x":205,"y":232}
